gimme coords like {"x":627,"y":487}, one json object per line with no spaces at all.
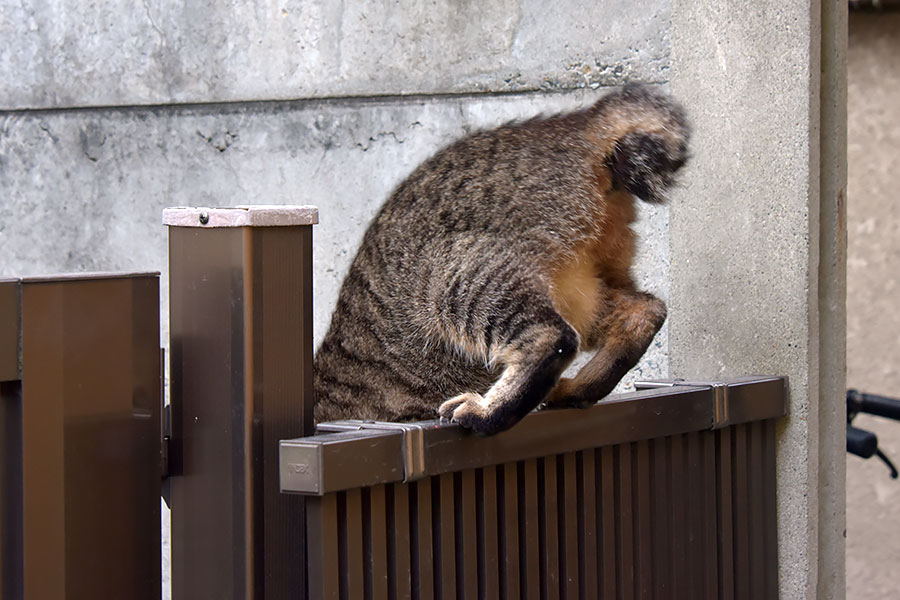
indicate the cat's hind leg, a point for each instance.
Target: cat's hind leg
{"x":623,"y":335}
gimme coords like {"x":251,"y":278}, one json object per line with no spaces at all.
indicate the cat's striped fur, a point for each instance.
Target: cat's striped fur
{"x":495,"y":262}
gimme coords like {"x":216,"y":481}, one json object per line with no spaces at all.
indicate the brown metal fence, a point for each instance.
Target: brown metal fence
{"x":80,"y":437}
{"x":668,"y":492}
{"x":647,"y":495}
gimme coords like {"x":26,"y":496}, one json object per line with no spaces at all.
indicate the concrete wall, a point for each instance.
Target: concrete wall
{"x":93,"y":146}
{"x":757,"y":244}
{"x":160,"y":52}
{"x":873,"y":285}
{"x":110,"y":112}
{"x":85,"y":188}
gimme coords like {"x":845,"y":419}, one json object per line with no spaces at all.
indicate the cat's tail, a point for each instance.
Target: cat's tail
{"x":640,"y":137}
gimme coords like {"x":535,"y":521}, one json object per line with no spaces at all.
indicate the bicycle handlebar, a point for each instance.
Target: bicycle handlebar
{"x":873,"y":405}
{"x":864,"y":443}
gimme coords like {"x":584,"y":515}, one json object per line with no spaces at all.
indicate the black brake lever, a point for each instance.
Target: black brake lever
{"x":888,"y":462}
{"x":864,"y":443}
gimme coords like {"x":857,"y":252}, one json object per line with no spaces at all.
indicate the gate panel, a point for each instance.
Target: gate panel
{"x":686,"y":515}
{"x":81,"y":465}
{"x":643,"y":550}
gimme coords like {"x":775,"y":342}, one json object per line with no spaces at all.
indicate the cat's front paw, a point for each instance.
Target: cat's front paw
{"x":470,"y":411}
{"x":448,"y":409}
{"x":445,"y":411}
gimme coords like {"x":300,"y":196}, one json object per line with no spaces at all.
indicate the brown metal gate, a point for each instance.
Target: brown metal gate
{"x":668,"y":492}
{"x":80,"y":463}
{"x":664,"y":493}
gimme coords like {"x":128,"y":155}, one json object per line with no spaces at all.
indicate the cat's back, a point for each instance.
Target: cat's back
{"x":466,"y":218}
{"x":528,"y":176}
{"x":491,"y":255}
{"x":476,"y":226}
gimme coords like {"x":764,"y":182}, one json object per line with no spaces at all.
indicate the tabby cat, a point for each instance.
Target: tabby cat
{"x":499,"y":259}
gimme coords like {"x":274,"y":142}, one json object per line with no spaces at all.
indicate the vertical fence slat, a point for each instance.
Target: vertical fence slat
{"x":509,"y":537}
{"x":741,"y":513}
{"x":694,"y":499}
{"x":677,"y":529}
{"x":354,"y":575}
{"x":710,"y":551}
{"x":467,"y":540}
{"x":378,"y":547}
{"x":569,"y":503}
{"x":528,"y":530}
{"x":608,"y":517}
{"x":322,"y":547}
{"x":423,"y":551}
{"x":625,"y":524}
{"x":488,"y":533}
{"x":445,"y":539}
{"x":587,"y":526}
{"x":400,"y":574}
{"x":769,"y":503}
{"x":756,"y":529}
{"x":549,"y":529}
{"x":725,"y":517}
{"x":643,"y":526}
{"x":662,"y":497}
{"x":367,"y":543}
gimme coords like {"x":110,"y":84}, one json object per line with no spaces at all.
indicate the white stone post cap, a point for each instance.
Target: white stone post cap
{"x":260,"y":215}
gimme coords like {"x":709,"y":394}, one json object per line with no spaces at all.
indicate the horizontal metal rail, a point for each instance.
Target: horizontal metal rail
{"x":352,"y":454}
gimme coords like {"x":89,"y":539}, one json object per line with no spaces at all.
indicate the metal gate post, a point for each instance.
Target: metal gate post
{"x":80,"y":438}
{"x":241,"y":380}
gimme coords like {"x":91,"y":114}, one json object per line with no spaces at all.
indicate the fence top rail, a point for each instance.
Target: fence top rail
{"x":87,"y":276}
{"x":11,"y":306}
{"x":350,"y":454}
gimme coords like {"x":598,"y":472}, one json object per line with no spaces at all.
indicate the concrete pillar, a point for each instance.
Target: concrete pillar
{"x":757,"y":244}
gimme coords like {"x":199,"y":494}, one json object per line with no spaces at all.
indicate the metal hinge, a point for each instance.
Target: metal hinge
{"x":719,"y":389}
{"x":165,"y":432}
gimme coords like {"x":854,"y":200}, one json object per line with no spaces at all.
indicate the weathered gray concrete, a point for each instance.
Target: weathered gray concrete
{"x":84,"y":190}
{"x":873,"y":283}
{"x":832,"y":302}
{"x":745,"y":242}
{"x":63,"y":54}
